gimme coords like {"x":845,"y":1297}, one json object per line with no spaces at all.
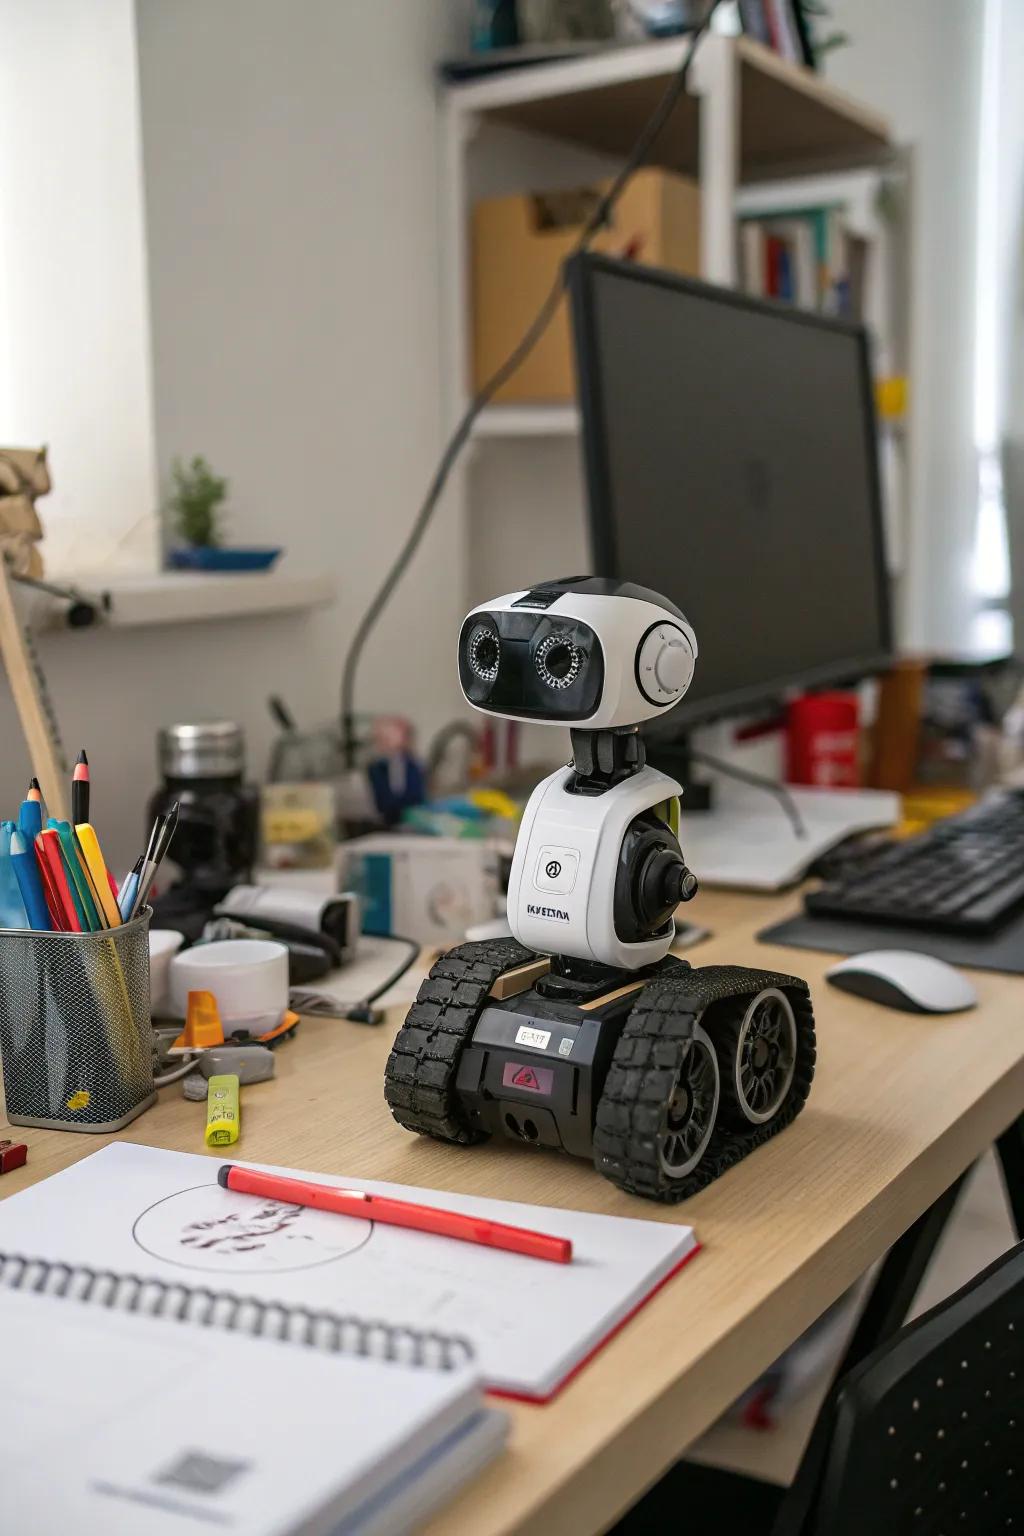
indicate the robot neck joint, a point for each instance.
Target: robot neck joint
{"x":602,"y":759}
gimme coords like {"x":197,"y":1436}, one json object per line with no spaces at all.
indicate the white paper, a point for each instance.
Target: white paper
{"x":162,"y":1214}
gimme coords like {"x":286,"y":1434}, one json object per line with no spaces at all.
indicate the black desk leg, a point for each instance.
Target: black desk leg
{"x":1010,"y":1151}
{"x":891,"y":1298}
{"x":899,"y":1279}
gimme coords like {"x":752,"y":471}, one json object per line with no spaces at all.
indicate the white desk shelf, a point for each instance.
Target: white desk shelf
{"x":186,"y":597}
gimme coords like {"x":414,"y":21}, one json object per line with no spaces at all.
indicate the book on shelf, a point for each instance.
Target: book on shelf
{"x":780,"y":25}
{"x":805,"y":256}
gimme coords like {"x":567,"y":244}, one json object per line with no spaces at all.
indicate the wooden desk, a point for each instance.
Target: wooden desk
{"x":901,"y":1105}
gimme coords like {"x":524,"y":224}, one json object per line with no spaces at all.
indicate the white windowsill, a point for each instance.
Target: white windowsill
{"x":183,"y":597}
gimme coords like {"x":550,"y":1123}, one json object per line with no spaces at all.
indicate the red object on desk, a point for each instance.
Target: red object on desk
{"x":396,"y":1213}
{"x":823,"y":735}
{"x":13,"y":1154}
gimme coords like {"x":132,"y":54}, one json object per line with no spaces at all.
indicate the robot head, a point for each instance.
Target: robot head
{"x":583,"y":652}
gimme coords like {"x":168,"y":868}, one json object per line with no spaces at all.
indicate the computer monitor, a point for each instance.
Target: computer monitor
{"x":731,"y":464}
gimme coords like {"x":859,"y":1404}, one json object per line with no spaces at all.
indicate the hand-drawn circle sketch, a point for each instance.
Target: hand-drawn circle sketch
{"x":214,"y":1229}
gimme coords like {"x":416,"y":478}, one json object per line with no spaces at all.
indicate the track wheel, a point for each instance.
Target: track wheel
{"x":689,"y":1116}
{"x":756,"y":1042}
{"x":421,"y":1072}
{"x":657,"y":1111}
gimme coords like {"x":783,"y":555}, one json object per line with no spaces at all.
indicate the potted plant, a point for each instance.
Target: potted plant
{"x":195,"y":512}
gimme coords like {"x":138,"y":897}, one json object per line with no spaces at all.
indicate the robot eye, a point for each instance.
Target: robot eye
{"x":558,"y":661}
{"x":484,"y":651}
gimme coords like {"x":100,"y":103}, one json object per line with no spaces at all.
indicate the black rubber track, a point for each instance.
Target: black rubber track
{"x":419,"y":1079}
{"x":643,"y":1072}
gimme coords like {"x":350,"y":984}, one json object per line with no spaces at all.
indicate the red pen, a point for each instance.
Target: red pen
{"x":396,"y":1213}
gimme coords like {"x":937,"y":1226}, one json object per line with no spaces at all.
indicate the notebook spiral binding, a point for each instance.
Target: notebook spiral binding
{"x":207,"y":1308}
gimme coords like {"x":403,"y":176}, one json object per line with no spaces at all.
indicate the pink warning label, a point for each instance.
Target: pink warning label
{"x":521,"y":1074}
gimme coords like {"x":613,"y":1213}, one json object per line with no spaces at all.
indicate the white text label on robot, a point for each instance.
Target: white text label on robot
{"x":556,"y":912}
{"x":538,"y":1038}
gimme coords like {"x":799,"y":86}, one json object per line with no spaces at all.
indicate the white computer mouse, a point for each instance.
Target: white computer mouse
{"x":900,"y":978}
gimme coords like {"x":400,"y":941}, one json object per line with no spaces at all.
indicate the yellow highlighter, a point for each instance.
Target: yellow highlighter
{"x":223,"y":1121}
{"x":90,"y":846}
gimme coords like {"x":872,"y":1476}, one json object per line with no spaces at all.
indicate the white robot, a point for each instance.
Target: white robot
{"x":581,"y":1032}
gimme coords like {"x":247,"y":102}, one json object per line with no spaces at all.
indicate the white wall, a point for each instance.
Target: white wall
{"x":290,"y":165}
{"x":920,"y":64}
{"x":74,"y":329}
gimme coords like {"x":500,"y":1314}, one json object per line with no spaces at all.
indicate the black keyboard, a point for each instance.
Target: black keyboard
{"x":965,"y":874}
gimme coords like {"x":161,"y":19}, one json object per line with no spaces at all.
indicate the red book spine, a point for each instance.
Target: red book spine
{"x":773,"y":250}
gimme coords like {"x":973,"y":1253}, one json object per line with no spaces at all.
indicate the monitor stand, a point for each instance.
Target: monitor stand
{"x":739,"y":835}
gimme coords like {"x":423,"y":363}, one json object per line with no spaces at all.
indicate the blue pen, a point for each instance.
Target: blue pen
{"x":12,"y":908}
{"x":26,"y":871}
{"x":30,"y":819}
{"x":128,"y":892}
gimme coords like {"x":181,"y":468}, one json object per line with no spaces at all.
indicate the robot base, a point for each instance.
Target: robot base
{"x":664,"y":1077}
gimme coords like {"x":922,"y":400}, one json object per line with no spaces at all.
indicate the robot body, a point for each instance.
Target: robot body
{"x":562,"y":888}
{"x":581,"y":1033}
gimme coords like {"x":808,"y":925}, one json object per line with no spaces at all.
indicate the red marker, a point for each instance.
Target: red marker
{"x":49,"y":853}
{"x":396,"y":1213}
{"x":54,"y":905}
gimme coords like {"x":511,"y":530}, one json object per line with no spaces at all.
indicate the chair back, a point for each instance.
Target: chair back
{"x":928,"y":1431}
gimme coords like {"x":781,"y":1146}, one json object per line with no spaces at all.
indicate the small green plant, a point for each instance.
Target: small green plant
{"x":818,"y":16}
{"x":194,"y":505}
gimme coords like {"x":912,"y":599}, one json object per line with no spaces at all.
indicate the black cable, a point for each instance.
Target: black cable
{"x":759,"y":781}
{"x":364,"y":1012}
{"x":653,"y":127}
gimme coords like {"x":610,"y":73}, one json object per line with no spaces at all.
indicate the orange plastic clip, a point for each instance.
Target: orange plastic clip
{"x":203,"y":1028}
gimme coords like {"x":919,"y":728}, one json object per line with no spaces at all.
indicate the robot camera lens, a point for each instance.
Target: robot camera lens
{"x":484,"y":652}
{"x":559,"y":661}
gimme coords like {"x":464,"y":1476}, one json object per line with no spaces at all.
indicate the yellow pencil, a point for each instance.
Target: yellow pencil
{"x":89,"y":844}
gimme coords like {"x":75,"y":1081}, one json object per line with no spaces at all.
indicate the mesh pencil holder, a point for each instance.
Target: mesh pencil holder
{"x":75,"y":1030}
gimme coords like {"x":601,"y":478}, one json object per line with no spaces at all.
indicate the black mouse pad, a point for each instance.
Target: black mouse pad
{"x":1002,"y":951}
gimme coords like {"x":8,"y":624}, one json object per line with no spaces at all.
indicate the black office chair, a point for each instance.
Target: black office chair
{"x":924,"y":1438}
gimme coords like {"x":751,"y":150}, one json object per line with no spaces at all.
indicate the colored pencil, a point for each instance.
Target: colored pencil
{"x":80,"y":790}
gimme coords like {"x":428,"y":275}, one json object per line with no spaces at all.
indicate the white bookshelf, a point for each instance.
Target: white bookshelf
{"x":527,"y":421}
{"x":749,"y":118}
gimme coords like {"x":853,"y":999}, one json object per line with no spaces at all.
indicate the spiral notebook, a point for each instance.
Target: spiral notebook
{"x":123,"y":1418}
{"x":210,"y":1254}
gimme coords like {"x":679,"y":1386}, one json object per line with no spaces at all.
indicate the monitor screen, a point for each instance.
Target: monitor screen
{"x":731,"y":462}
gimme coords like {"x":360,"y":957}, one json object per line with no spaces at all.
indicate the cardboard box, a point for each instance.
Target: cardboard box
{"x":520,"y":242}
